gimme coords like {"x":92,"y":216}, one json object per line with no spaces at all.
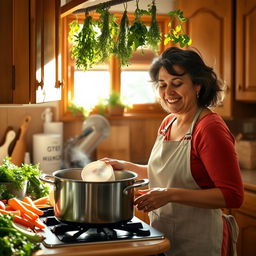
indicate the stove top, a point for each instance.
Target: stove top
{"x":58,"y":234}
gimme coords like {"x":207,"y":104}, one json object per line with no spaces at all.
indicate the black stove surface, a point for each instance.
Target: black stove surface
{"x":59,"y":234}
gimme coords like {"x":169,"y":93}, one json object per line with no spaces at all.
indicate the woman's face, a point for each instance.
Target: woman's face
{"x":177,"y":93}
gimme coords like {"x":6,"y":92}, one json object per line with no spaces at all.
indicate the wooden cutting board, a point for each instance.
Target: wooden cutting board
{"x":20,"y":147}
{"x":10,"y":135}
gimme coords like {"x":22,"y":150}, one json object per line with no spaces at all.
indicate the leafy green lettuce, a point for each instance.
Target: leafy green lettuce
{"x":16,"y":177}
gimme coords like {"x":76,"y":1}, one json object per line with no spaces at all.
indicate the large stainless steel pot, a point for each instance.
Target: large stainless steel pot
{"x":93,"y":202}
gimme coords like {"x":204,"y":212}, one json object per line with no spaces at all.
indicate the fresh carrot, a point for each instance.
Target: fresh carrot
{"x":26,"y":217}
{"x":9,"y":208}
{"x":17,"y":205}
{"x":39,"y":224}
{"x":32,"y":208}
{"x":23,"y":222}
{"x":17,"y":213}
{"x":28,"y":200}
{"x":42,"y":205}
{"x":41,"y":200}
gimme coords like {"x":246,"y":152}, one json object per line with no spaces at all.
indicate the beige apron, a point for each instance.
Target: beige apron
{"x":192,"y":231}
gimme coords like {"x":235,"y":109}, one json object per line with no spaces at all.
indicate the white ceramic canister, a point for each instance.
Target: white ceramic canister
{"x":53,"y":127}
{"x":49,"y":126}
{"x":47,"y":151}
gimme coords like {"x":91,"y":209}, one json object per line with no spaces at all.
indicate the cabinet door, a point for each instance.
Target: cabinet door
{"x":6,"y":60}
{"x":45,"y":50}
{"x":209,"y":26}
{"x":246,"y":51}
{"x":247,"y":234}
{"x":14,"y":51}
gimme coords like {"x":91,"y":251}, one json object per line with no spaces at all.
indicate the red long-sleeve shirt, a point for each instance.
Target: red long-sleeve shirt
{"x":214,"y":161}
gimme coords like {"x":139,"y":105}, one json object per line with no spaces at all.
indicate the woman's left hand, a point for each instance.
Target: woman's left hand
{"x":152,"y":199}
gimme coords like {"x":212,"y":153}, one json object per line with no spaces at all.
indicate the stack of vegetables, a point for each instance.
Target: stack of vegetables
{"x":18,"y":220}
{"x":19,"y":217}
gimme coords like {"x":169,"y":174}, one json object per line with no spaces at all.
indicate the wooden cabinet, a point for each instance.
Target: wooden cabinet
{"x":246,"y":50}
{"x":14,"y":51}
{"x":29,"y":50}
{"x":45,"y":61}
{"x":211,"y":26}
{"x":246,"y":219}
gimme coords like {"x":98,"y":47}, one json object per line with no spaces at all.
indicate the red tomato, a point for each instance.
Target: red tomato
{"x":2,"y":205}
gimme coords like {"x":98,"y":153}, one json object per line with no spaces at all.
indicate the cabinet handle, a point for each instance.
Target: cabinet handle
{"x":58,"y":84}
{"x":39,"y":84}
{"x":240,"y":88}
{"x":13,"y":77}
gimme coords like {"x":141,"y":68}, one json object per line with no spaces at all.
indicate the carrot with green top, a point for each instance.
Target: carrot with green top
{"x":17,"y":205}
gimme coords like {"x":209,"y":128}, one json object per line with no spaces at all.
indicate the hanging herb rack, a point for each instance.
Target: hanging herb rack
{"x":98,"y":39}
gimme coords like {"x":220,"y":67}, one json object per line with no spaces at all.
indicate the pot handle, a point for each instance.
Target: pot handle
{"x":47,"y":178}
{"x":137,"y":183}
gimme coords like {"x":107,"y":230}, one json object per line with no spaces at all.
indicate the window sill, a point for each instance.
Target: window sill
{"x":68,"y":117}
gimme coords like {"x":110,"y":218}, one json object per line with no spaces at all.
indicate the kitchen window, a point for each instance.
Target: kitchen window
{"x":133,"y":82}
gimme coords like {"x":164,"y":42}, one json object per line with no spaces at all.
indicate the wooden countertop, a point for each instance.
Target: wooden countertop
{"x":138,"y":248}
{"x":249,"y":179}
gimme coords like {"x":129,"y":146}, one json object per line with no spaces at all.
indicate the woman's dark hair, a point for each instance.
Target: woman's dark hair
{"x":211,"y":93}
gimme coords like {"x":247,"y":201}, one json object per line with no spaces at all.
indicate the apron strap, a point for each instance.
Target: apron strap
{"x":165,"y":129}
{"x":188,"y":135}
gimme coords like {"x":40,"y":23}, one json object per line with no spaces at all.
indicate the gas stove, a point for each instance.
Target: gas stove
{"x":58,"y":234}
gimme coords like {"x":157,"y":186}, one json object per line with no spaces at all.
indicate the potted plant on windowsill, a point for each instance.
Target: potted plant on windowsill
{"x":115,"y":104}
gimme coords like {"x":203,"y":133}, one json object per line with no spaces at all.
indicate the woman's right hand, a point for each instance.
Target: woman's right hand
{"x":115,"y":163}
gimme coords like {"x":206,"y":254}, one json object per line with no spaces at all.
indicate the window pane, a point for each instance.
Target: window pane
{"x":136,"y":87}
{"x":90,"y":87}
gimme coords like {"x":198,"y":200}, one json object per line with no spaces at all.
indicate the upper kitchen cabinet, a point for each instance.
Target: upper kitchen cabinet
{"x":211,"y":26}
{"x":45,"y":66}
{"x":29,"y":50}
{"x":246,"y":51}
{"x":14,"y":51}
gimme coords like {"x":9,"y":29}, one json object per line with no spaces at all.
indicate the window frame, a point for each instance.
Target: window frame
{"x":68,"y":68}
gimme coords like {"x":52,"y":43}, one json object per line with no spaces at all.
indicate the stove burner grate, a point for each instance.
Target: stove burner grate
{"x":95,"y":232}
{"x":58,"y":233}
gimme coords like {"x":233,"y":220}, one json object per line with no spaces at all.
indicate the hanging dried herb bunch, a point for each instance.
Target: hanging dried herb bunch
{"x":123,"y":50}
{"x":84,"y":43}
{"x":95,"y":41}
{"x":176,"y":34}
{"x":154,"y":35}
{"x":137,"y":36}
{"x":108,"y":31}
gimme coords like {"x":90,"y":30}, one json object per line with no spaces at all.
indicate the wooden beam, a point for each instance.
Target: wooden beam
{"x":72,"y":6}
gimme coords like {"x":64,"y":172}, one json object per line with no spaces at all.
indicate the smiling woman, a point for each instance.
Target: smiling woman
{"x":86,"y":88}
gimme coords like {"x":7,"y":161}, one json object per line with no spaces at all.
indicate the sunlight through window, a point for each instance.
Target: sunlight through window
{"x":90,"y":87}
